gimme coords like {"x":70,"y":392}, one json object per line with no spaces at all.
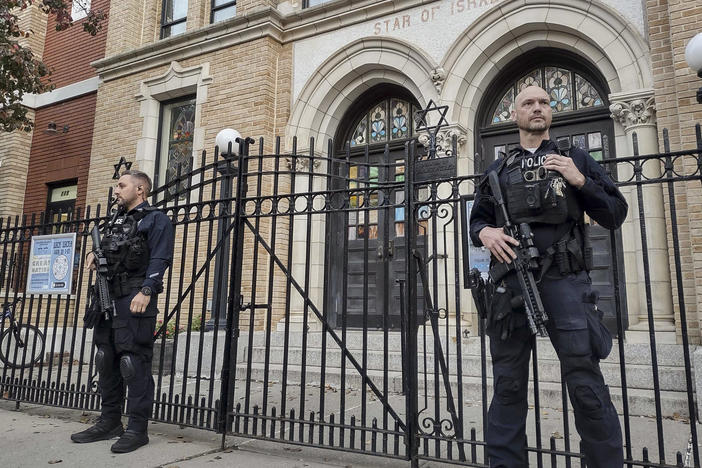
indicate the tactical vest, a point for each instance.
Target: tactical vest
{"x":541,"y":196}
{"x":538,"y":195}
{"x":127,"y":252}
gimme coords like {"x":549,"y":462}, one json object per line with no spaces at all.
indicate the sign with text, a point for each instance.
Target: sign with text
{"x":473,"y":257}
{"x":430,"y":13}
{"x":435,"y":170}
{"x":51,"y":264}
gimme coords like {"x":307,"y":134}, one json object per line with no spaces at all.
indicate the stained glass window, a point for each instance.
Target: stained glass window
{"x":594,"y":143}
{"x":567,"y":91}
{"x":388,"y":120}
{"x":531,"y":79}
{"x":586,"y":93}
{"x":378,"y":124}
{"x":360,"y":135}
{"x":503,"y":113}
{"x":579,"y":141}
{"x":400,"y":119}
{"x":363,"y":221}
{"x":559,"y":88}
{"x":177,"y":128}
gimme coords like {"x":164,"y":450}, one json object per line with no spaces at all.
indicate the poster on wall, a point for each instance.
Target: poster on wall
{"x":51,"y":264}
{"x":474,"y":257}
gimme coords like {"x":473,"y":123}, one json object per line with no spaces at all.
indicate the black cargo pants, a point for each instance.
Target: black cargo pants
{"x":579,"y":341}
{"x":127,"y":335}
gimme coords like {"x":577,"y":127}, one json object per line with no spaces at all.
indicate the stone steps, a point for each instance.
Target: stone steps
{"x":641,"y":401}
{"x":637,"y":375}
{"x":634,"y":353}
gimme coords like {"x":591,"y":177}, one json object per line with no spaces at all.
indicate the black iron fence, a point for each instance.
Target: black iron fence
{"x":334,"y":288}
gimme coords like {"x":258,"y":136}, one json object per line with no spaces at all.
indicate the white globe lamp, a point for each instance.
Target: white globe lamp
{"x":224,"y":137}
{"x":693,"y":57}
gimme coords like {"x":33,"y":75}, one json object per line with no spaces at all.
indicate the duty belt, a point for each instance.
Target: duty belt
{"x":571,"y":254}
{"x":123,"y":284}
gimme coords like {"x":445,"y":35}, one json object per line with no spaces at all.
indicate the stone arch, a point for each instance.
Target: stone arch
{"x":351,"y":71}
{"x":589,"y":29}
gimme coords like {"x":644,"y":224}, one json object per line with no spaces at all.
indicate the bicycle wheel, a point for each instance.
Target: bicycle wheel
{"x":24,"y":352}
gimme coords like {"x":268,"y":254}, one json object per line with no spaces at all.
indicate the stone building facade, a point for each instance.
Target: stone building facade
{"x":273,"y":68}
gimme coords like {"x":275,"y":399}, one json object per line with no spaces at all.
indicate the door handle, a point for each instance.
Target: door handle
{"x":379,"y":251}
{"x":391,"y":248}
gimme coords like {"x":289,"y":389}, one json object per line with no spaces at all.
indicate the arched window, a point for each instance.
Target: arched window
{"x":387,"y":120}
{"x":568,"y":91}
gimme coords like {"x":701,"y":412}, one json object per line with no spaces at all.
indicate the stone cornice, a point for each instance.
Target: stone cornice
{"x":635,"y":108}
{"x":256,"y":24}
{"x":64,"y":93}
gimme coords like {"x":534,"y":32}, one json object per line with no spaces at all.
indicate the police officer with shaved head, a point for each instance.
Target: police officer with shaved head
{"x":138,"y":244}
{"x":550,"y":189}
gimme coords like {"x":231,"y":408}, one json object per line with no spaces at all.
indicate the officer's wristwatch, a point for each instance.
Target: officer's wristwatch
{"x":146,"y":291}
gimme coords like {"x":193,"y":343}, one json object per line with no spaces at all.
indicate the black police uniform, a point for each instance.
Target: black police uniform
{"x":574,"y":325}
{"x":139,"y":248}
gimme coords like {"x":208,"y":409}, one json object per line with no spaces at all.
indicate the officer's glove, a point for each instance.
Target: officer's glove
{"x":92,"y":313}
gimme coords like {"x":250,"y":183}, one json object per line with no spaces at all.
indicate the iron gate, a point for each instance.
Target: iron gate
{"x":281,"y":361}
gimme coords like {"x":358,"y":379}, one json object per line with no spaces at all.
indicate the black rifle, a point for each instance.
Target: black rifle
{"x":102,"y":304}
{"x":525,"y":264}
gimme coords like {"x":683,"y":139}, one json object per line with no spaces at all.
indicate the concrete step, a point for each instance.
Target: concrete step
{"x":637,"y":375}
{"x":641,"y":402}
{"x":634,"y":353}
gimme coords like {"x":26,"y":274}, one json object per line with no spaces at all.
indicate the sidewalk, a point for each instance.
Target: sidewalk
{"x":37,"y":436}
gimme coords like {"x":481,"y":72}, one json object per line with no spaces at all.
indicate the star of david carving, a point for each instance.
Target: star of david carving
{"x":122,"y":162}
{"x":422,"y":123}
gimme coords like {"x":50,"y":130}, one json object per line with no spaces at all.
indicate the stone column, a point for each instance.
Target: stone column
{"x":635,"y":113}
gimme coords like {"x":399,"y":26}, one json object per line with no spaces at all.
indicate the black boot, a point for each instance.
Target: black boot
{"x":130,"y":441}
{"x":103,"y":429}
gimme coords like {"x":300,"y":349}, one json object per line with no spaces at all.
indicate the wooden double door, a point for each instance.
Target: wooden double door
{"x":364,"y":291}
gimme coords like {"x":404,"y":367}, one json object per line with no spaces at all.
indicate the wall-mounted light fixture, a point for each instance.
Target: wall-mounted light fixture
{"x":52,"y":130}
{"x":693,"y":57}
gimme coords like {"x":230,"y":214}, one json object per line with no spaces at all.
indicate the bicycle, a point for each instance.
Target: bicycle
{"x":21,"y":344}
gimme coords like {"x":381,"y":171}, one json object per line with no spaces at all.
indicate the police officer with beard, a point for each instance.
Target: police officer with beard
{"x":138,"y":244}
{"x":549,"y":190}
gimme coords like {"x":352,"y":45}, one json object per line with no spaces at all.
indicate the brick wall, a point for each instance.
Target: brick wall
{"x":254,"y":99}
{"x":61,"y":156}
{"x":69,"y":53}
{"x":135,"y":24}
{"x":14,"y":160}
{"x":14,"y":147}
{"x":672,"y":23}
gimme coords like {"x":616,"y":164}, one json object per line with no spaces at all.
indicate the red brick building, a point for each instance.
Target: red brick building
{"x":59,"y":155}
